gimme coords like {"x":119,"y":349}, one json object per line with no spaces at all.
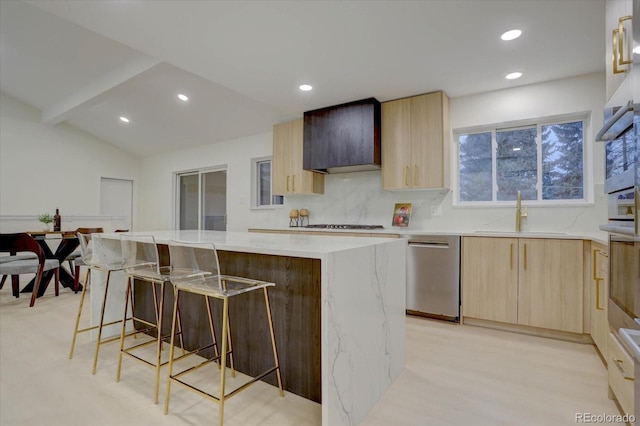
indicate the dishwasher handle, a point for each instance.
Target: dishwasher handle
{"x":437,"y":245}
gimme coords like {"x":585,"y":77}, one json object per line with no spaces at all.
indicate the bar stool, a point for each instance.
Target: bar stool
{"x":76,"y":257}
{"x":108,"y":260}
{"x":195,"y":269}
{"x":141,"y":263}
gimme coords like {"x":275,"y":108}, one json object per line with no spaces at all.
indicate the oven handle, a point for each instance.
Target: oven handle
{"x":622,"y":111}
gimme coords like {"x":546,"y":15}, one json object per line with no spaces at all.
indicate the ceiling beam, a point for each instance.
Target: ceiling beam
{"x":61,"y":111}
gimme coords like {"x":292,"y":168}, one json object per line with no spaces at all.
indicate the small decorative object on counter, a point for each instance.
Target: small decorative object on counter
{"x":304,"y":217}
{"x":46,"y":220}
{"x":293,"y":218}
{"x":401,"y":214}
{"x":57,"y":221}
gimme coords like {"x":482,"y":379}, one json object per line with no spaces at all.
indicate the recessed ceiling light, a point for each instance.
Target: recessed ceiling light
{"x":517,"y":149}
{"x":513,"y":75}
{"x":124,"y":119}
{"x":511,"y":35}
{"x":183,"y":97}
{"x":636,"y":50}
{"x":305,"y":87}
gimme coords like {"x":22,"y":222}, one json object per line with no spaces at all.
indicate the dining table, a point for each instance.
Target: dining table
{"x":68,"y":243}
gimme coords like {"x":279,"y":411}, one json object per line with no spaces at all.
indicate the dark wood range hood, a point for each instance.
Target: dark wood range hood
{"x":343,"y":138}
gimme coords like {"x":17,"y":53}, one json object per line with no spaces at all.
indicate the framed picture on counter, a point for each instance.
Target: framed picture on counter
{"x":401,"y":215}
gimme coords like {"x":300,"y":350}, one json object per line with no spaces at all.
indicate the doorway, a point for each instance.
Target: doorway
{"x":202,"y":200}
{"x":116,"y":199}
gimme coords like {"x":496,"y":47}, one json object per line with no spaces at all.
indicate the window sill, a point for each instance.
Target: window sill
{"x":271,"y":207}
{"x":512,"y":204}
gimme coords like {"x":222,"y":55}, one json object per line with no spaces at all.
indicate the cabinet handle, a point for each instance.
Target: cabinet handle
{"x":595,"y":263}
{"x":616,"y":53}
{"x":294,"y":184}
{"x":406,"y":176}
{"x":511,"y":256}
{"x":415,"y":175}
{"x":619,"y":363}
{"x":598,"y":295}
{"x":287,"y":183}
{"x":621,"y":45}
{"x":525,"y":256}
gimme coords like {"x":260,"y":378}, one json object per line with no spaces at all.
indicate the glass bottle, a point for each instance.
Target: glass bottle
{"x":57,"y":221}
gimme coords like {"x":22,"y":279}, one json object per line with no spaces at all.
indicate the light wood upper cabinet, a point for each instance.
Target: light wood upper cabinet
{"x":532,"y":282}
{"x":415,"y":142}
{"x":289,"y":178}
{"x":599,"y":296}
{"x":615,"y":75}
{"x":490,"y":278}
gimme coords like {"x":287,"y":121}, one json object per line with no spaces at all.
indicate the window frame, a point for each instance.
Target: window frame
{"x":538,"y":123}
{"x":255,"y":186}
{"x":176,"y":192}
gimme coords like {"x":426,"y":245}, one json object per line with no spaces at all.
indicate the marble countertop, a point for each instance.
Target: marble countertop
{"x":598,"y":236}
{"x":309,"y":246}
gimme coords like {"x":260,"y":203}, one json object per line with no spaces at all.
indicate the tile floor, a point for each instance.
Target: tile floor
{"x":454,"y":375}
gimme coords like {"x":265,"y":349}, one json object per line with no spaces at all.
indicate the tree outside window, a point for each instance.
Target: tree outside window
{"x":542,"y":161}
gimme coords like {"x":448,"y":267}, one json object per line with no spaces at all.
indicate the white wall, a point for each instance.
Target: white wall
{"x":46,"y":167}
{"x":358,"y":197}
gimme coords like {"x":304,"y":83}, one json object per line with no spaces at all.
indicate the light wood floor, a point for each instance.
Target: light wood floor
{"x":455,"y":375}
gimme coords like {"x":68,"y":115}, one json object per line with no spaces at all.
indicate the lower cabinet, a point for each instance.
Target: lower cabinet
{"x":599,"y":297}
{"x":535,"y":282}
{"x":621,"y":372}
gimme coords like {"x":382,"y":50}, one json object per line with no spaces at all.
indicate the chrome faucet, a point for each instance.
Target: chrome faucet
{"x":520,"y":212}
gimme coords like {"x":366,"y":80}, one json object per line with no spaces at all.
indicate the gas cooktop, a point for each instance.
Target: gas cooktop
{"x":341,"y":226}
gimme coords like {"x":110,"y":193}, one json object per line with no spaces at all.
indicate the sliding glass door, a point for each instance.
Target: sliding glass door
{"x":202,"y":200}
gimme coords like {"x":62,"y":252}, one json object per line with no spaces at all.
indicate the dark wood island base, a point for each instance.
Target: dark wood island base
{"x":296,"y":309}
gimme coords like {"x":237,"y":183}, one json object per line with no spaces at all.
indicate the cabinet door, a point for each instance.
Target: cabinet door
{"x":427,"y":141}
{"x":396,"y":144}
{"x":490,"y":278}
{"x":599,"y":296}
{"x":550,"y":292}
{"x":616,"y":9}
{"x":280,"y":163}
{"x":302,"y":181}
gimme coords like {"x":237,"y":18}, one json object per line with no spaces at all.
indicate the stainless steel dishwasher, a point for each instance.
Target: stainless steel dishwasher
{"x":433,"y":276}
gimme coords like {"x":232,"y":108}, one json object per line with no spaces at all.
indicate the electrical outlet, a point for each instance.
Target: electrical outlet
{"x":436,"y":210}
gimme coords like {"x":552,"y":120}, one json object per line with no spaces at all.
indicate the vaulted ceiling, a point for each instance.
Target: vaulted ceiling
{"x":241,"y":62}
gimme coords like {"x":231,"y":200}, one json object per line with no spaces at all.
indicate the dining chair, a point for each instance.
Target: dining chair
{"x":14,"y":257}
{"x":195,"y":269}
{"x":23,"y":242}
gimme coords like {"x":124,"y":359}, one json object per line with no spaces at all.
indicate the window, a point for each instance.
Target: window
{"x":261,"y":186}
{"x":544,"y":161}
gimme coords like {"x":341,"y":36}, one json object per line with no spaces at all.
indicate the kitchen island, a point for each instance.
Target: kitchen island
{"x":339,"y":300}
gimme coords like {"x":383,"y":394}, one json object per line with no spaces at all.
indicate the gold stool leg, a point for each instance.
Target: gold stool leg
{"x":171,"y":348}
{"x":273,"y":340}
{"x":159,"y":315}
{"x":75,"y":332}
{"x":223,"y":360}
{"x":124,"y":325}
{"x":104,"y":303}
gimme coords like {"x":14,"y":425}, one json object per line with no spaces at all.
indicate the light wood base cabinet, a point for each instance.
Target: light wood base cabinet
{"x":530,"y":282}
{"x":289,"y":178}
{"x":621,"y":374}
{"x":599,"y":297}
